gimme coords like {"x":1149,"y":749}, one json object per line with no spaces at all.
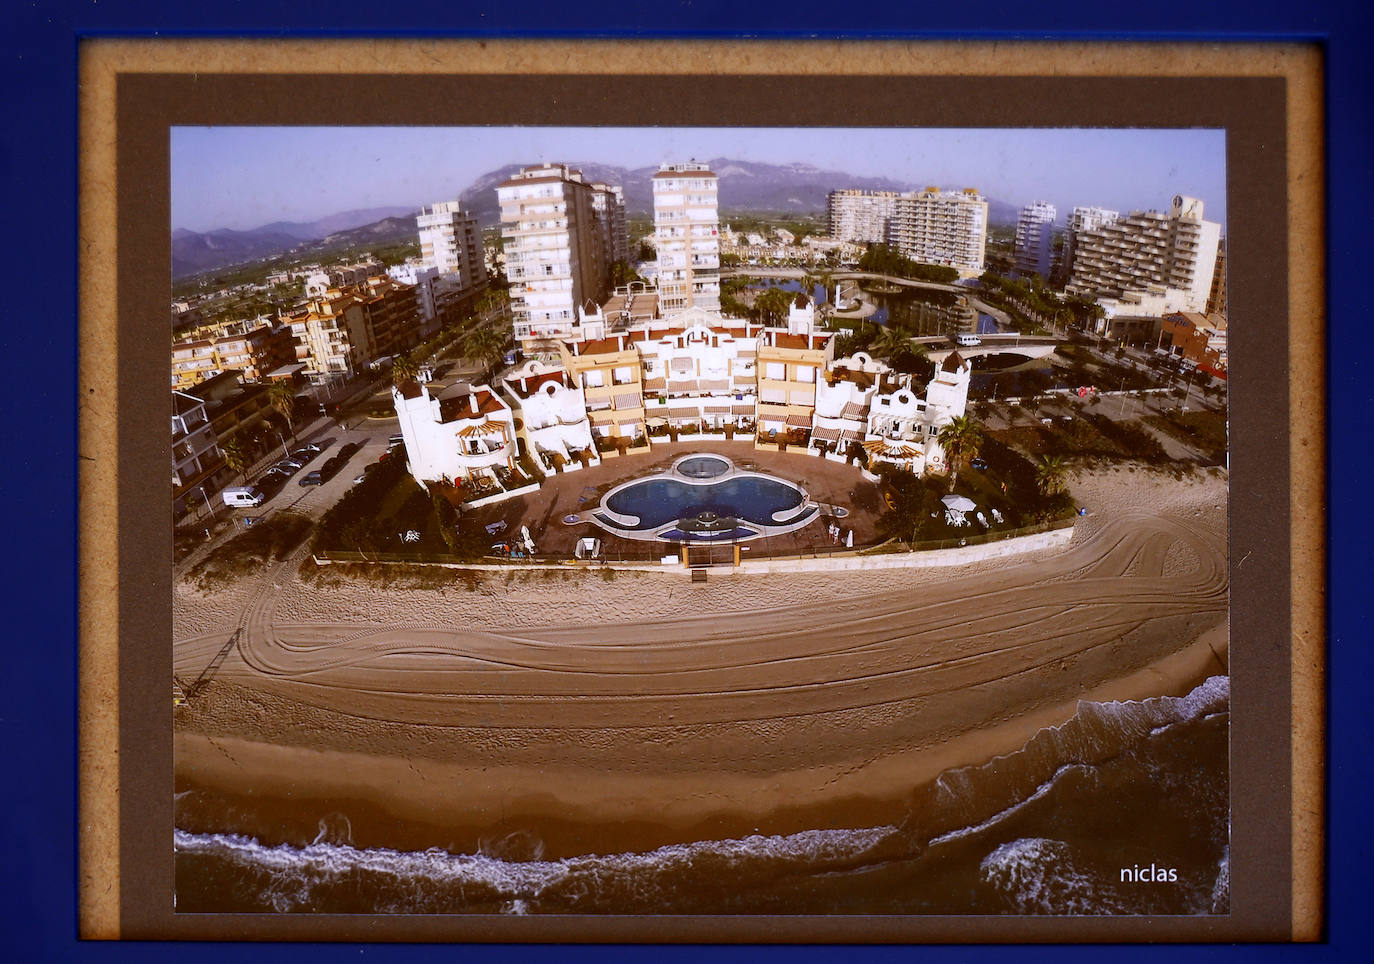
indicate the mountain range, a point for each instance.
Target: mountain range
{"x":745,"y":187}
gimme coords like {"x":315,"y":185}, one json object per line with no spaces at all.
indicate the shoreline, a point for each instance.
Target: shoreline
{"x":540,"y":812}
{"x":549,"y":718}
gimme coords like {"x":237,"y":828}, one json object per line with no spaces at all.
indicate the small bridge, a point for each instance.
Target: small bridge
{"x":1030,"y":346}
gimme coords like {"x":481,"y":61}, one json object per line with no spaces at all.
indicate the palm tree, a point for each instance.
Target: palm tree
{"x":1050,"y":475}
{"x":772,"y":306}
{"x":891,"y":341}
{"x":403,"y":370}
{"x":960,"y":439}
{"x":487,"y":345}
{"x":235,"y":456}
{"x":283,"y":399}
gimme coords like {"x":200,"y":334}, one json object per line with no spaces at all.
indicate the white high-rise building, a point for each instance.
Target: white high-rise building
{"x":860,"y":215}
{"x":941,"y":227}
{"x":450,"y":240}
{"x":1146,"y":249}
{"x":1035,"y":238}
{"x":687,"y":237}
{"x":1084,"y":219}
{"x":555,"y":255}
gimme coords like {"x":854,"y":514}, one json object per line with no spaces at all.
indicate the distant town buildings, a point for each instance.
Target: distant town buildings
{"x":1034,"y":250}
{"x":555,"y":248}
{"x":941,"y":227}
{"x":861,"y":216}
{"x":1149,"y":251}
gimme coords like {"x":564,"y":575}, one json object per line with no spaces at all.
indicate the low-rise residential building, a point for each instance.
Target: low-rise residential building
{"x":843,"y":400}
{"x":456,"y":432}
{"x":904,"y":428}
{"x":551,"y":415}
{"x":790,"y":364}
{"x":332,"y":336}
{"x":196,"y":458}
{"x":611,"y":376}
{"x":252,"y":353}
{"x":1197,"y":338}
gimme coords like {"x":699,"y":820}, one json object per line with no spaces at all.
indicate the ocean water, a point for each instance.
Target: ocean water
{"x":1124,"y":809}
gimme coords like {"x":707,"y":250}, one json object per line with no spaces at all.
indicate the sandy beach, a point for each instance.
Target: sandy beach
{"x":595,"y":714}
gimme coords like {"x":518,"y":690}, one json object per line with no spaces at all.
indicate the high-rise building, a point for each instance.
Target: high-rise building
{"x":1035,"y":239}
{"x":687,"y":236}
{"x":555,"y":255}
{"x":860,"y":215}
{"x":1147,"y":249}
{"x":1216,"y":299}
{"x":1084,"y":219}
{"x":941,"y":227}
{"x":451,"y":241}
{"x":608,"y":204}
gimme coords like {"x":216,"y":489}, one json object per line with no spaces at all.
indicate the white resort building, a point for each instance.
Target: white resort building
{"x":455,"y":432}
{"x":904,"y":429}
{"x":625,"y":381}
{"x":552,"y":424}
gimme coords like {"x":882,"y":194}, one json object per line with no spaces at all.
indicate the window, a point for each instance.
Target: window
{"x":775,"y":370}
{"x":593,"y":379}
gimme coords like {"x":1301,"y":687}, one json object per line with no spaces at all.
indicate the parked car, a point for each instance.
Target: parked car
{"x":291,"y":466}
{"x":979,"y":464}
{"x":312,"y":478}
{"x":348,"y":450}
{"x":274,"y":477}
{"x":309,"y":448}
{"x":967,"y":340}
{"x":396,"y":440}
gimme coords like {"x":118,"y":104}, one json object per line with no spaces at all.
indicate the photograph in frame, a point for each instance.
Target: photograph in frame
{"x":786,"y":836}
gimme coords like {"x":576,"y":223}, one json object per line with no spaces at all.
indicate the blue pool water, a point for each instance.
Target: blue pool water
{"x":750,"y":498}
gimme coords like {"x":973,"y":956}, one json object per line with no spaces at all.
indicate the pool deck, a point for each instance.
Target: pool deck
{"x":574,"y":492}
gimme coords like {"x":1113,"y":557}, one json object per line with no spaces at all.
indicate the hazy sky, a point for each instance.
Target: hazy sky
{"x":242,"y":177}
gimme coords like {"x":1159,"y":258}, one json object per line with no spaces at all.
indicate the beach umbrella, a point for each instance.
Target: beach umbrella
{"x":958,"y":503}
{"x":849,"y":539}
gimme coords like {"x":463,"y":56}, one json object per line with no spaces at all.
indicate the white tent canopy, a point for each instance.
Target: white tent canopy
{"x":959,"y":503}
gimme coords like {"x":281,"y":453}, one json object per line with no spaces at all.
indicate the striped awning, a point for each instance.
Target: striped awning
{"x":741,"y":410}
{"x":602,"y":418}
{"x":826,"y":434}
{"x":627,"y":420}
{"x":486,"y":428}
{"x":628,"y":400}
{"x":799,"y":421}
{"x":892,"y":449}
{"x":718,"y":409}
{"x":854,"y":410}
{"x":656,"y":384}
{"x":684,"y":413}
{"x":715,"y":384}
{"x":682,"y":385}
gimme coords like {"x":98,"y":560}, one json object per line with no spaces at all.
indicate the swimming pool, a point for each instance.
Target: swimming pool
{"x":704,"y":497}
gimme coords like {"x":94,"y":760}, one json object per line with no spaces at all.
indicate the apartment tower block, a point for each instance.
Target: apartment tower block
{"x":1147,"y":249}
{"x":1035,"y":239}
{"x":860,"y":216}
{"x":687,"y":235}
{"x":941,"y":227}
{"x":555,"y":251}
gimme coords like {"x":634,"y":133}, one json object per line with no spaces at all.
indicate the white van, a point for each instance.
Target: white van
{"x":242,"y":495}
{"x":968,"y":341}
